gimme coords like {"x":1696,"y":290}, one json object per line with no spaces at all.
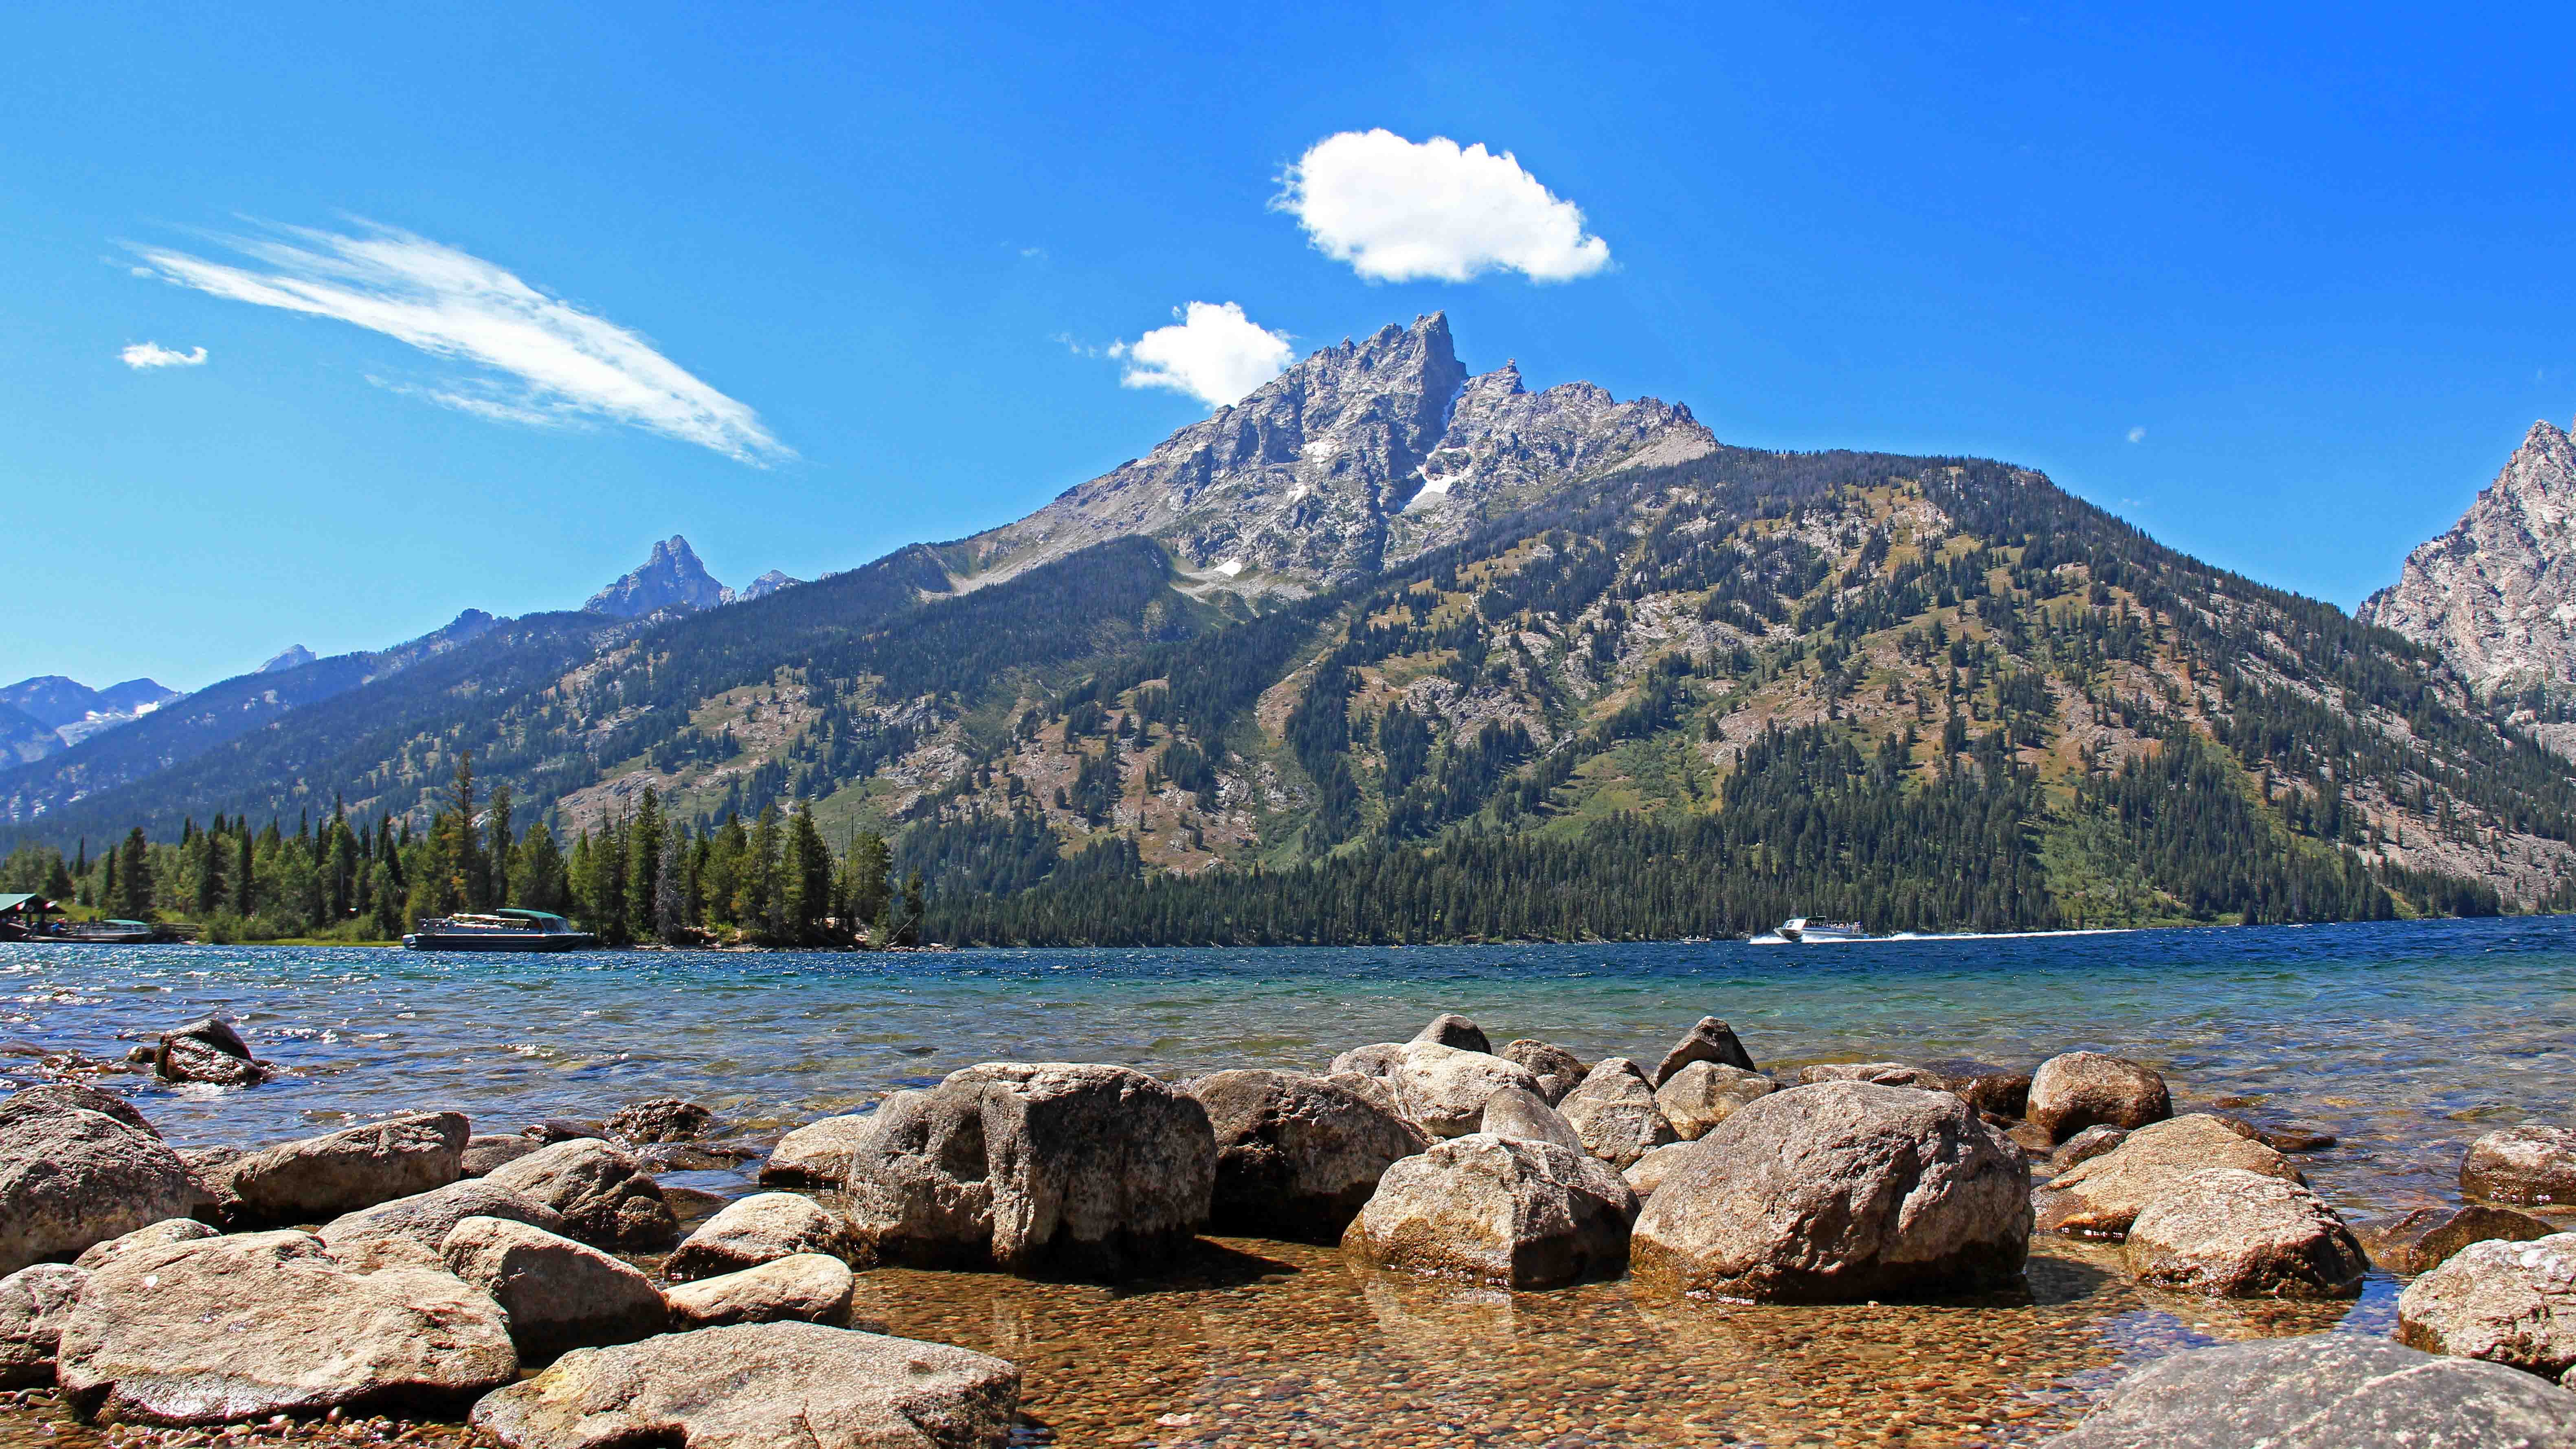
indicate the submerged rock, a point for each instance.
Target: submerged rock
{"x":1703,"y":1094}
{"x":357,"y":1167}
{"x":758,"y":1229}
{"x":2512,"y":1303}
{"x":799,"y":1288}
{"x":1615,"y":1113}
{"x":1557,"y":1070}
{"x":603,"y":1195}
{"x":660,"y":1119}
{"x":1498,"y":1211}
{"x":1035,"y":1167}
{"x":71,"y":1177}
{"x":2422,"y":1240}
{"x":2530,"y":1165}
{"x":1296,"y":1156}
{"x":2101,"y":1197}
{"x":1837,"y":1192}
{"x":560,"y":1295}
{"x":234,"y":1329}
{"x":207,"y":1050}
{"x":2325,"y":1391}
{"x":761,"y":1386}
{"x":33,"y":1304}
{"x":1710,"y":1041}
{"x":2078,"y":1089}
{"x":1452,"y":1030}
{"x":816,"y":1154}
{"x":2231,"y":1233}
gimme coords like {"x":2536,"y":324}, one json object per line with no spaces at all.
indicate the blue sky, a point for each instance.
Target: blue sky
{"x":2283,"y":287}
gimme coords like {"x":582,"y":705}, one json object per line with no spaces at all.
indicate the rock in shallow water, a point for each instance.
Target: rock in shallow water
{"x":207,"y":1050}
{"x":1647,"y":1173}
{"x":357,"y":1167}
{"x":2078,"y":1089}
{"x":1837,"y":1192}
{"x":1557,"y":1070}
{"x":603,"y":1195}
{"x":1441,"y":1089}
{"x":2326,"y":1391}
{"x":761,"y":1386}
{"x":1452,"y":1030}
{"x":761,"y":1228}
{"x":2512,"y":1303}
{"x":1035,"y":1167}
{"x":2086,"y":1145}
{"x":818,"y":1153}
{"x":1711,"y":1040}
{"x":1498,"y":1211}
{"x":1703,"y":1094}
{"x":2422,"y":1240}
{"x":2101,"y":1197}
{"x":1512,"y":1112}
{"x":2236,"y":1234}
{"x":2529,"y":1166}
{"x":799,"y":1288}
{"x":237,"y":1328}
{"x":485,"y":1153}
{"x":1296,"y":1156}
{"x":560,"y":1294}
{"x":660,"y":1119}
{"x":360,"y":1240}
{"x":33,"y":1304}
{"x":70,"y":1177}
{"x":1615,"y":1113}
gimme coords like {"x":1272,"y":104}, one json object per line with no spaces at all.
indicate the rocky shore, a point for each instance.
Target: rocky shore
{"x":408,"y":1277}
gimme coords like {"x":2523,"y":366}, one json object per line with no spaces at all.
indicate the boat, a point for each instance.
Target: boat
{"x":507,"y":929}
{"x":1801,"y":931}
{"x":105,"y":933}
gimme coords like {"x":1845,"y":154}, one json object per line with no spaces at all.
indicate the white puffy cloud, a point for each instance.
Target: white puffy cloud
{"x":2137,"y":435}
{"x":1400,"y":211}
{"x":141,"y":355}
{"x":545,"y":360}
{"x":1214,"y":353}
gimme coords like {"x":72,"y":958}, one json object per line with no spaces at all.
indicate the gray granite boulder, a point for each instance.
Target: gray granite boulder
{"x":2326,"y":1391}
{"x":1035,"y":1167}
{"x":603,"y":1195}
{"x":1452,"y":1030}
{"x":1296,"y":1156}
{"x":2425,"y":1239}
{"x":74,"y":1095}
{"x":660,"y":1119}
{"x":33,"y":1304}
{"x":1558,"y":1070}
{"x":2075,"y":1090}
{"x":150,"y":1235}
{"x":235,"y":1329}
{"x":2528,"y":1166}
{"x":210,"y":1051}
{"x":2512,"y":1303}
{"x":1497,"y":1211}
{"x":1703,"y":1094}
{"x":71,"y":1177}
{"x":2230,"y":1233}
{"x":1444,"y":1090}
{"x":1615,"y":1113}
{"x":2100,"y":1197}
{"x":818,"y":1153}
{"x":2086,"y":1145}
{"x":761,"y":1386}
{"x":1885,"y":1074}
{"x":360,"y":1240}
{"x":356,"y":1167}
{"x":1513,"y":1112}
{"x":1837,"y":1192}
{"x":560,"y":1295}
{"x":1646,"y":1174}
{"x":799,"y":1288}
{"x":1710,"y":1041}
{"x":761,"y":1228}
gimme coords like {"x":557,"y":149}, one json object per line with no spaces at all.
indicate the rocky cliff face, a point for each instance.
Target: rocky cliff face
{"x":671,"y":579}
{"x":2496,"y":596}
{"x":1361,"y":455}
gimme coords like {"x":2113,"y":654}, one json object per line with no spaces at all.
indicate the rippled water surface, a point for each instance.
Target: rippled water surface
{"x":2403,"y":1040}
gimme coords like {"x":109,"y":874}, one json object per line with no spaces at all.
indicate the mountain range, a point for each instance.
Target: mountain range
{"x":1390,"y":650}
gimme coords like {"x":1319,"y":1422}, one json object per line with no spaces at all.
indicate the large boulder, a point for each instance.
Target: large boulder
{"x":1452,"y":1030}
{"x":1035,"y":1167}
{"x":2230,"y":1233}
{"x":207,"y":1050}
{"x":1497,"y":1211}
{"x":661,"y":1119}
{"x":1558,"y":1070}
{"x":2075,"y":1090}
{"x":2530,"y":1166}
{"x":237,"y":1328}
{"x":818,"y":1153}
{"x":761,"y":1386}
{"x":2512,"y":1303}
{"x":150,"y":1235}
{"x":1615,"y":1113}
{"x":1646,"y":1174}
{"x":2100,"y":1197}
{"x":1836,"y":1192}
{"x":1296,"y":1156}
{"x":603,"y":1195}
{"x":384,"y":1233}
{"x":2325,"y":1391}
{"x":2425,"y":1239}
{"x":761,"y":1228}
{"x":560,"y":1294}
{"x":1444,"y":1090}
{"x":356,"y":1167}
{"x":799,"y":1288}
{"x":1512,"y":1112}
{"x":1710,"y":1041}
{"x":65,"y":1096}
{"x":1703,"y":1094}
{"x":71,"y":1177}
{"x":33,"y":1304}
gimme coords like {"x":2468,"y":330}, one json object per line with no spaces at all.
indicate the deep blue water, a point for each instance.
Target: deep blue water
{"x":2406,"y":1039}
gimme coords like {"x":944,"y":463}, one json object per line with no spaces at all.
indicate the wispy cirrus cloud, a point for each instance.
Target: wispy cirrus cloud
{"x":141,"y":355}
{"x":543,"y":359}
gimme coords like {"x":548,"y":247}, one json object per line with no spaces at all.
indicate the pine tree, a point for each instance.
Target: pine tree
{"x":500,"y":849}
{"x":134,"y":877}
{"x":644,"y":845}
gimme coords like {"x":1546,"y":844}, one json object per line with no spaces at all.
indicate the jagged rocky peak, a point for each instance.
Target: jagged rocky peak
{"x":1307,"y":480}
{"x":766,"y":585}
{"x":293,"y":656}
{"x":2496,"y":595}
{"x":672,"y":578}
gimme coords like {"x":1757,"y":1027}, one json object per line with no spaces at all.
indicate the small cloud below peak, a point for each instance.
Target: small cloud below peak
{"x":1214,"y":353}
{"x":143,"y":355}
